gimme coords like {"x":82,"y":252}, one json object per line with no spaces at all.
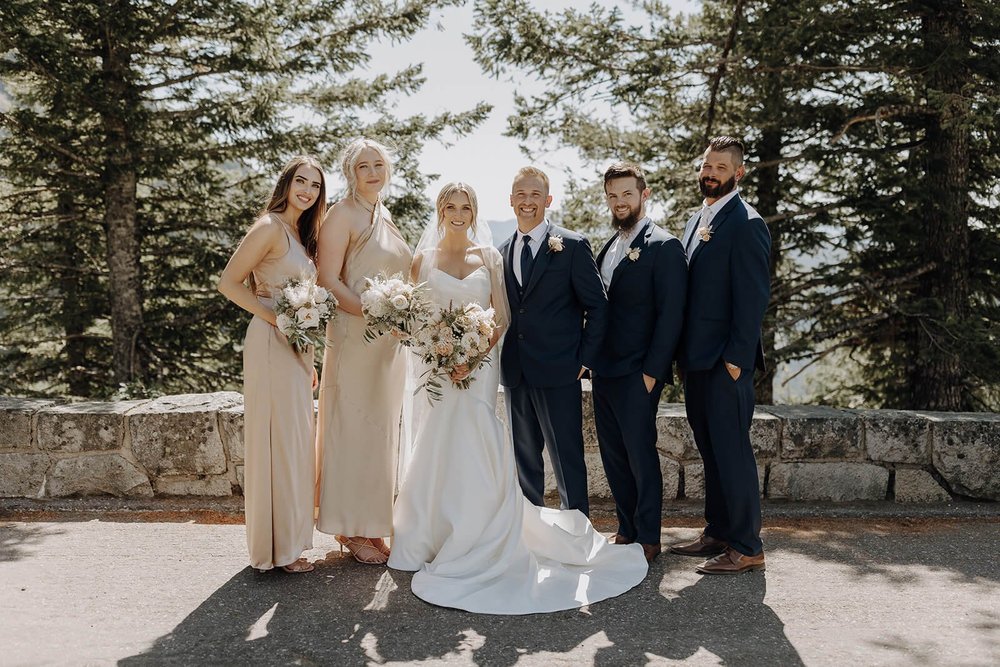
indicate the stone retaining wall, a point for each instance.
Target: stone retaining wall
{"x":193,"y":445}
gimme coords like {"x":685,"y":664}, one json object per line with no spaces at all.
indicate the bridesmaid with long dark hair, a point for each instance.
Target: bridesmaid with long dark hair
{"x":361,"y":394}
{"x":278,"y":382}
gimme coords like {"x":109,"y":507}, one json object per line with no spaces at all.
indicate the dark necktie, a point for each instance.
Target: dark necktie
{"x":526,"y":259}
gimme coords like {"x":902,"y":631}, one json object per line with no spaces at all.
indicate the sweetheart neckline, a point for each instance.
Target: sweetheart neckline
{"x":457,"y":278}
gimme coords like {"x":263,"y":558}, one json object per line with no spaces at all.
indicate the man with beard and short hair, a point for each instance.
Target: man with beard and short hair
{"x":644,"y":270}
{"x":728,"y":248}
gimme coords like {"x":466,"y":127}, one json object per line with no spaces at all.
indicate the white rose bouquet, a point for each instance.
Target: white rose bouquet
{"x":393,"y":305}
{"x":303,"y":310}
{"x":452,"y":337}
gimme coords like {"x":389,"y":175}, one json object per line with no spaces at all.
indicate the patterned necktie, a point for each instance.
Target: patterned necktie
{"x":526,"y":258}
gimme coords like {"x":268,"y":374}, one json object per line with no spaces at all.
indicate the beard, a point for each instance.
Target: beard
{"x":718,"y":190}
{"x":628,"y":222}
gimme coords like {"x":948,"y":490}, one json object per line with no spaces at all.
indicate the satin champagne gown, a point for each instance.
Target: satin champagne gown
{"x":361,"y":399}
{"x":278,"y":426}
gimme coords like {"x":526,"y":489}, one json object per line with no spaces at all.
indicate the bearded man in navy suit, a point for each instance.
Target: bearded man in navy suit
{"x":728,"y":248}
{"x":558,"y":317}
{"x":644,"y":270}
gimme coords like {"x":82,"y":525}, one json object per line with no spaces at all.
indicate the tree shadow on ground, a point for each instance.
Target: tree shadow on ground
{"x":17,"y":539}
{"x":344,"y":613}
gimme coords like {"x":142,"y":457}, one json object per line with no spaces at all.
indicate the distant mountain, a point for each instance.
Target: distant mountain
{"x":502,"y":230}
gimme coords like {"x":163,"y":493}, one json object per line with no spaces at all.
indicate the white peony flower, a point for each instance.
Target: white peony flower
{"x":320,"y":294}
{"x":308,"y":317}
{"x":400,"y":302}
{"x":298,"y":296}
{"x":284,"y":324}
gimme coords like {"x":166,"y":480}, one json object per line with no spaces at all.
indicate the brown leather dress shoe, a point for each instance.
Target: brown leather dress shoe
{"x":731,"y":561}
{"x":651,"y":551}
{"x":618,"y":539}
{"x":703,"y":547}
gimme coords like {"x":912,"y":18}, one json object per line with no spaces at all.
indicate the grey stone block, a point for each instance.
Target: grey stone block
{"x":918,"y":486}
{"x":22,"y":474}
{"x":828,"y":481}
{"x":674,"y":436}
{"x":231,"y":428}
{"x":97,"y":474}
{"x":193,"y":486}
{"x":965,"y":450}
{"x":896,"y":436}
{"x":83,"y":427}
{"x":817,"y":432}
{"x":15,"y":421}
{"x":694,"y":480}
{"x":178,"y":435}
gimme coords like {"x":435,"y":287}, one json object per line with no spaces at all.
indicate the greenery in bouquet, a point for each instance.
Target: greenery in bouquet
{"x":392,"y":305}
{"x":452,"y":337}
{"x":303,"y":310}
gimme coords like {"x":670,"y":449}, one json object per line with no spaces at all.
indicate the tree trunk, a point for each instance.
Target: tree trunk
{"x":120,"y":164}
{"x":73,"y":315}
{"x":935,"y":380}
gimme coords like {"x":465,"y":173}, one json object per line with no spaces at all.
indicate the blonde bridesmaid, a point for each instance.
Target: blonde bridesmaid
{"x":278,"y":382}
{"x":361,"y":391}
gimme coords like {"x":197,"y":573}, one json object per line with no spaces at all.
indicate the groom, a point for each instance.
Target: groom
{"x":558,"y":317}
{"x":729,"y":250}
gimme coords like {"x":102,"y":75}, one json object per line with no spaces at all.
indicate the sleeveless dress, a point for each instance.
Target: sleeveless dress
{"x":462,"y":522}
{"x":361,"y":399}
{"x":280,"y":457}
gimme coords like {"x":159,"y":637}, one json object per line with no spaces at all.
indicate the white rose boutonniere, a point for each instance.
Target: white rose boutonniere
{"x":555,"y":244}
{"x":633,"y":254}
{"x":705,"y":234}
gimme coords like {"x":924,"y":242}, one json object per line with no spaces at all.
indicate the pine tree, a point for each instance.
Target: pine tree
{"x":145,"y":136}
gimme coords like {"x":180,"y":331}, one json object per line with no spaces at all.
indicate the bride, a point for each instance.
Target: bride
{"x":460,"y":520}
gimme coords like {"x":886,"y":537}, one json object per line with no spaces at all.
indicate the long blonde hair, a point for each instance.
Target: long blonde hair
{"x":446,"y":193}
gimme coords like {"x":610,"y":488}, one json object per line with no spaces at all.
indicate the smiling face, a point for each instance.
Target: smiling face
{"x":370,"y":171}
{"x":719,"y":174}
{"x":305,"y":188}
{"x":456,"y":215}
{"x":529,"y":198}
{"x":626,"y":200}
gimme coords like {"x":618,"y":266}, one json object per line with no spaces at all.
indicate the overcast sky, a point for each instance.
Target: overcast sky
{"x":486,"y":159}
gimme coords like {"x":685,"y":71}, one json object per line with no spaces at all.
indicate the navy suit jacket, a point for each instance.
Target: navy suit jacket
{"x":645,"y":307}
{"x":729,"y":284}
{"x":558,"y":324}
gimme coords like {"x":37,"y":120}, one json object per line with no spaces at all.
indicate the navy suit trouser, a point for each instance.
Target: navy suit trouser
{"x":625,"y":415}
{"x":720,"y":411}
{"x":549,"y":418}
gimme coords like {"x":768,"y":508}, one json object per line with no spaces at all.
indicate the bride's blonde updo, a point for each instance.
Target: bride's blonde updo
{"x":442,"y":200}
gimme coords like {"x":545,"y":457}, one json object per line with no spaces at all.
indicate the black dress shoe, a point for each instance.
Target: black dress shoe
{"x":703,"y":547}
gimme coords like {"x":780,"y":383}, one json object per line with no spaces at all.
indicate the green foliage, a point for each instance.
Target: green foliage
{"x":872,"y":133}
{"x":198,"y":103}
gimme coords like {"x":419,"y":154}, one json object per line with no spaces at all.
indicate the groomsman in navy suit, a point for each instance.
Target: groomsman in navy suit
{"x":558,"y":317}
{"x":728,"y":248}
{"x":644,"y":270}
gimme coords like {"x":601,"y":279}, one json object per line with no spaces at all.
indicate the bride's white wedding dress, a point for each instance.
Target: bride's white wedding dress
{"x":463,"y":525}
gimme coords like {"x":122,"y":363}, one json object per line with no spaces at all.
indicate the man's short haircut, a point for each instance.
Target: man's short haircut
{"x":524,"y":172}
{"x":727,"y":144}
{"x":624,"y":170}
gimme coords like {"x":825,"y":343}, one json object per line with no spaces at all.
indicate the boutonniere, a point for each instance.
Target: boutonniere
{"x":633,"y":254}
{"x":705,"y":234}
{"x":555,"y":244}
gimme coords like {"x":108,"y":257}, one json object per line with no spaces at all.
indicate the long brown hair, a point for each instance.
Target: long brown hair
{"x":311,"y":218}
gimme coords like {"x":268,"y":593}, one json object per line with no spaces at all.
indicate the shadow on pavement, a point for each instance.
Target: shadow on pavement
{"x":345,"y":613}
{"x":16,"y":539}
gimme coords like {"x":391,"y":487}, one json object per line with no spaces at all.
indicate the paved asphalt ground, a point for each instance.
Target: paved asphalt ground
{"x":870,"y":585}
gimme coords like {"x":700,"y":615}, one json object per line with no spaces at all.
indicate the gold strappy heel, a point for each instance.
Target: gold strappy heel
{"x":363,"y":550}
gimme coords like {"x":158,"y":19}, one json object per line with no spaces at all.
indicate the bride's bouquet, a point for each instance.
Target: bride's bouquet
{"x":393,"y":305}
{"x":303,"y":310}
{"x":454,"y":336}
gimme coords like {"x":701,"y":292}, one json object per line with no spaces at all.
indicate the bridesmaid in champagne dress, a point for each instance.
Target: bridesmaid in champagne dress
{"x":361,"y":391}
{"x":278,"y":382}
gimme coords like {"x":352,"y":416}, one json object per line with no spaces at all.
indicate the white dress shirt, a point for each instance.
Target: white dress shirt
{"x":704,"y":219}
{"x":537,"y":235}
{"x":619,"y":247}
